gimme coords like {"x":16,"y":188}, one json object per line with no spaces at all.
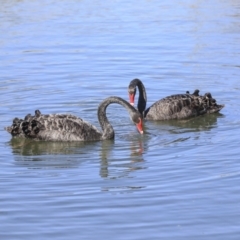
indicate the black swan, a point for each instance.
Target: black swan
{"x":178,"y":106}
{"x":66,"y":127}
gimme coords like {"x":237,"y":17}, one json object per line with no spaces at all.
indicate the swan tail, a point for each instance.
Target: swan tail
{"x":211,"y":103}
{"x":31,"y":128}
{"x":15,"y":129}
{"x":27,"y":127}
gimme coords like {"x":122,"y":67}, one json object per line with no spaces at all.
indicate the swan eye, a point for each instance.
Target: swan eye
{"x":136,"y":118}
{"x":132,"y":90}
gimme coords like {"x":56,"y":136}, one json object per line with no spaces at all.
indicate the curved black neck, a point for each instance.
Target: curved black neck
{"x":142,"y":99}
{"x":108,"y":132}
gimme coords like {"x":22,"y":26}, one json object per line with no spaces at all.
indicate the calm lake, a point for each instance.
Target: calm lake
{"x":180,"y":180}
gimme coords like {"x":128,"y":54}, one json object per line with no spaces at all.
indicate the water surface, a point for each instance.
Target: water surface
{"x":179,"y":180}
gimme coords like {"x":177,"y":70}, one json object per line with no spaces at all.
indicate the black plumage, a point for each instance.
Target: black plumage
{"x":178,"y":106}
{"x":67,"y":127}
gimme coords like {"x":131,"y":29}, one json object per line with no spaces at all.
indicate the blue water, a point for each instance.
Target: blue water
{"x":179,"y":180}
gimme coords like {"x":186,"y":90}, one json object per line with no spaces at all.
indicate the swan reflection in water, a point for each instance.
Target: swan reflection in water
{"x":41,"y":154}
{"x":200,"y":123}
{"x":164,"y":133}
{"x":116,"y":165}
{"x":117,"y":159}
{"x":111,"y":161}
{"x":60,"y":154}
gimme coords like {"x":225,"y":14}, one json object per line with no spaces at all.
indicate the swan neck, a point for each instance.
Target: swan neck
{"x":142,"y":99}
{"x":108,"y":132}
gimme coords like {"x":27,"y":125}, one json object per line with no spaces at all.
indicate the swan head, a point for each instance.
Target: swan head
{"x":138,"y":121}
{"x":131,"y":94}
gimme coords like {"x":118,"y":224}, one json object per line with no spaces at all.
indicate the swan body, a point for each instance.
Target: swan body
{"x":178,"y":106}
{"x":67,"y":127}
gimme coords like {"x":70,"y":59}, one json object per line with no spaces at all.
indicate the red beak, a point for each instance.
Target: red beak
{"x":140,"y":126}
{"x":131,"y":98}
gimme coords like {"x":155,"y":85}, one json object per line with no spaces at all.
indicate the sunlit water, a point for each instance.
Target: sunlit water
{"x":178,"y":181}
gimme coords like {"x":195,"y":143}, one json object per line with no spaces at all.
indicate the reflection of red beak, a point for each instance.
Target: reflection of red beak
{"x":131,"y":98}
{"x":140,"y":126}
